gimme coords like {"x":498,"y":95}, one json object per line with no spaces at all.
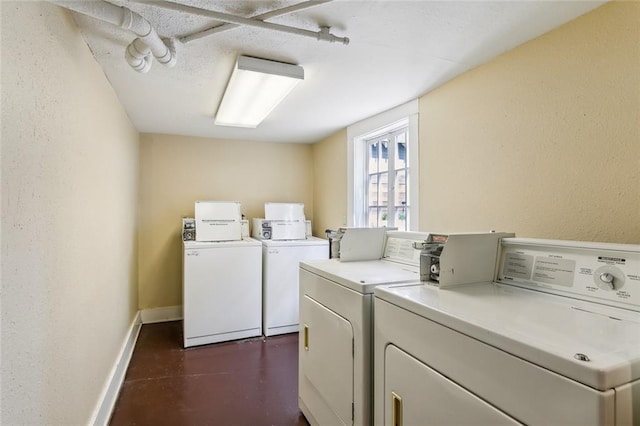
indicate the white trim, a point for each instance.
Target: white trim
{"x":107,"y":401}
{"x":376,"y":123}
{"x":414,"y":173}
{"x":166,"y":313}
{"x":383,"y":119}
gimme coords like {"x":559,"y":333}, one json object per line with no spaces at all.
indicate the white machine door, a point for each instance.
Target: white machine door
{"x":415,"y":394}
{"x":281,"y":282}
{"x":222,"y":290}
{"x":326,"y":357}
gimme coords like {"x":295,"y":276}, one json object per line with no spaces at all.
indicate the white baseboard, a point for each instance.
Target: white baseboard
{"x":167,"y":313}
{"x":107,"y":401}
{"x":109,"y":395}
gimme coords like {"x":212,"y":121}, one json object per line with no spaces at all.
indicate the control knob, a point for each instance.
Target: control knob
{"x":608,"y":279}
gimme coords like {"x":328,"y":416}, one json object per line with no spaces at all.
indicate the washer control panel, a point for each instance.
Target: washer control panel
{"x":597,"y":272}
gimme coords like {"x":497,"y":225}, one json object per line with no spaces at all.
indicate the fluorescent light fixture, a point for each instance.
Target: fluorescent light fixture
{"x":256,"y":87}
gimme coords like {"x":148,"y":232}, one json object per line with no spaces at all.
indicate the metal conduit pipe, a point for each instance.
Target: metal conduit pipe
{"x":138,"y":53}
{"x":271,"y":14}
{"x":323,"y":35}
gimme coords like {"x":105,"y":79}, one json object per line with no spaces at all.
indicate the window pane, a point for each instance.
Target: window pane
{"x":401,"y":218}
{"x":373,"y":190}
{"x":401,"y":151}
{"x":383,"y":196}
{"x":382,"y":217}
{"x":400,"y":195}
{"x":373,"y":217}
{"x":384,"y":155}
{"x":373,"y":158}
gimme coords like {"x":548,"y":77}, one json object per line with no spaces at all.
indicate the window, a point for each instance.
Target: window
{"x":383,"y":170}
{"x":387,"y":171}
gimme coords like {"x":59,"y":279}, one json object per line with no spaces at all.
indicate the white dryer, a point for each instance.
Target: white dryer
{"x":554,"y":340}
{"x":336,"y":314}
{"x":280,"y":281}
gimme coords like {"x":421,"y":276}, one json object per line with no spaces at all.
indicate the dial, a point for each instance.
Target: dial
{"x":609,"y":278}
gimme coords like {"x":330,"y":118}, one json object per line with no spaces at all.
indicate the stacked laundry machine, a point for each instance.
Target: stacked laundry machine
{"x":286,"y":240}
{"x":222,"y":276}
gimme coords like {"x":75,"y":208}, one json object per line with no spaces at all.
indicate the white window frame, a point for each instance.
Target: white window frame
{"x":391,"y":170}
{"x":357,"y":134}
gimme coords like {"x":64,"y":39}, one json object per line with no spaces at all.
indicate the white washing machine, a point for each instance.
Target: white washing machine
{"x":554,"y":340}
{"x":280,"y":281}
{"x":221,"y":291}
{"x":221,"y":276}
{"x":336,"y":318}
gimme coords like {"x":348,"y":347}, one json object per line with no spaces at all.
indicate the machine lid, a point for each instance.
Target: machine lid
{"x":284,"y":211}
{"x":594,"y":344}
{"x":362,"y":276}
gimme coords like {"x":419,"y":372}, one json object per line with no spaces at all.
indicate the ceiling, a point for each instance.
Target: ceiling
{"x":398,"y":51}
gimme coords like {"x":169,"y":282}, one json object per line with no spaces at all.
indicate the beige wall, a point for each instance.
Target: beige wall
{"x":329,"y":178}
{"x":69,"y":200}
{"x":176,"y":171}
{"x":544,"y":140}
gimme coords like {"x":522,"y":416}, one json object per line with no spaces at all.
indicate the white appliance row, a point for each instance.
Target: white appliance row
{"x":235,"y":286}
{"x":500,"y":330}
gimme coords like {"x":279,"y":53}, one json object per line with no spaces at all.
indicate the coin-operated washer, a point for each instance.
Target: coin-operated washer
{"x":221,"y":276}
{"x":554,"y":338}
{"x":286,"y":240}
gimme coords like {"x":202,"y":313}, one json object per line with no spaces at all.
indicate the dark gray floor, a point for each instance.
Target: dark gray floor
{"x":246,"y":382}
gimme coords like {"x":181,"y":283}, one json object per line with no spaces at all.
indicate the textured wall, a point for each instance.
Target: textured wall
{"x":329,"y":183}
{"x":176,"y":171}
{"x":544,"y":140}
{"x":69,"y":199}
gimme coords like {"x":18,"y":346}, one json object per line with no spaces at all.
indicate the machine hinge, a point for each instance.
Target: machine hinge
{"x":353,"y":411}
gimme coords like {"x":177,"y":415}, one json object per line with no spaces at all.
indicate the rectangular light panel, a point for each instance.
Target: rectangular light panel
{"x":256,"y":87}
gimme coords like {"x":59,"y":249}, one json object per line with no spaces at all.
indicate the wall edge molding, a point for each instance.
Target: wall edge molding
{"x":108,"y":397}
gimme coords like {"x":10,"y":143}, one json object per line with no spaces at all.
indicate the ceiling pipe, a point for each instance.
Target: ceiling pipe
{"x":139,"y":51}
{"x":268,"y":15}
{"x":323,"y":35}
